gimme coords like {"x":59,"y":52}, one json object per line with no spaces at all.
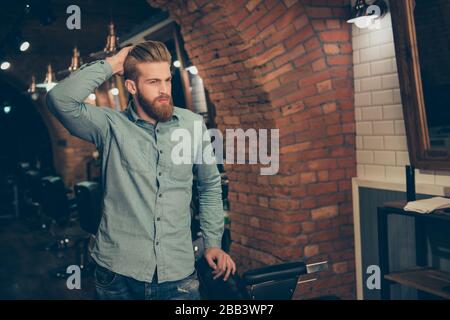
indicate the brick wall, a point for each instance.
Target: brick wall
{"x":287,"y":65}
{"x":382,"y":151}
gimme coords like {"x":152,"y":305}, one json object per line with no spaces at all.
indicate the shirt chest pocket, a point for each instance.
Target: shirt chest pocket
{"x":181,"y":172}
{"x":136,"y":154}
{"x":180,"y":163}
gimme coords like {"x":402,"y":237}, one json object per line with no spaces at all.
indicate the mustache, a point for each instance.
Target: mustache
{"x":164,"y":96}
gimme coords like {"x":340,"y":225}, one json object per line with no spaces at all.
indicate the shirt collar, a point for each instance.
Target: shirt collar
{"x":133,"y":116}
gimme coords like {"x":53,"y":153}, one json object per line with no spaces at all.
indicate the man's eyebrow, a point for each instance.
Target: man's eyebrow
{"x":158,"y":79}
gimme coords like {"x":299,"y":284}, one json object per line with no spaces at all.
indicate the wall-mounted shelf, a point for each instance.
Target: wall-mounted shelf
{"x":422,"y":277}
{"x":425,"y":279}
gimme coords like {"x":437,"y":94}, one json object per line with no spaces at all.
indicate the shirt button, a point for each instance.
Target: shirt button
{"x":157,"y":130}
{"x":160,"y":151}
{"x":157,"y":243}
{"x":158,"y":219}
{"x":160,"y":174}
{"x":102,"y":62}
{"x":160,"y":195}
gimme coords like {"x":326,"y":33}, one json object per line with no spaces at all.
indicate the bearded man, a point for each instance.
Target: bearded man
{"x":143,"y":247}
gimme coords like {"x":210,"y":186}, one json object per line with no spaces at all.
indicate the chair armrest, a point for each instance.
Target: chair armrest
{"x":275,"y":272}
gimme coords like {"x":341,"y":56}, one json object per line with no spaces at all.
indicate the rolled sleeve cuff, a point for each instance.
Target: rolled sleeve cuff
{"x":106,"y":67}
{"x":213,"y":242}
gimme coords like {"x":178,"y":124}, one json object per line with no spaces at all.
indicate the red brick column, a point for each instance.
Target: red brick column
{"x":287,"y":65}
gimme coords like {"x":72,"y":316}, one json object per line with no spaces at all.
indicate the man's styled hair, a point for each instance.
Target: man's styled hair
{"x":149,"y":51}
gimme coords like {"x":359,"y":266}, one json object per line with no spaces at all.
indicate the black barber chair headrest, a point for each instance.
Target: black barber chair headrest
{"x":217,"y":289}
{"x":22,"y":167}
{"x":33,"y":182}
{"x":275,"y":282}
{"x":54,"y":194}
{"x":89,"y":202}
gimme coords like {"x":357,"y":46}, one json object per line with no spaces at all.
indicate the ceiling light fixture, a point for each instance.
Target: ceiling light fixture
{"x":32,"y":89}
{"x":364,"y":15}
{"x":7,"y":109}
{"x":50,"y":80}
{"x":17,"y":42}
{"x":111,"y":40}
{"x":76,"y":61}
{"x":24,"y":46}
{"x":4,"y":65}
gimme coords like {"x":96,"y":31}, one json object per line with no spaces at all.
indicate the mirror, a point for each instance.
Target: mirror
{"x":432,"y":20}
{"x":422,"y":42}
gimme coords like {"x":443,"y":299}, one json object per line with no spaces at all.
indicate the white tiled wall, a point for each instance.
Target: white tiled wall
{"x":380,"y":130}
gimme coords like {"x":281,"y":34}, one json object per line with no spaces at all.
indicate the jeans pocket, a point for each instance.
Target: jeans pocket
{"x":190,"y":284}
{"x":104,"y":277}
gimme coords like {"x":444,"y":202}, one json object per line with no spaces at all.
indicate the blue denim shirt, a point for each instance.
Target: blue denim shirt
{"x":146,"y":206}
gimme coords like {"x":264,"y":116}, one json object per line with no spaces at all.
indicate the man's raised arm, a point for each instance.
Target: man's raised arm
{"x":66,"y":99}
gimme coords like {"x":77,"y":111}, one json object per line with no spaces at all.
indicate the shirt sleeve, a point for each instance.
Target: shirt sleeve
{"x":66,"y":102}
{"x":210,"y":199}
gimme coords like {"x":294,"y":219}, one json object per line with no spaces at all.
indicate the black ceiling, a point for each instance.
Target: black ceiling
{"x":54,"y":42}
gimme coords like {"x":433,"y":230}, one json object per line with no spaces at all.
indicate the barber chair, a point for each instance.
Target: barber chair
{"x":22,"y":167}
{"x":33,"y":199}
{"x":22,"y":186}
{"x":8,"y":196}
{"x":89,"y":202}
{"x":88,"y":196}
{"x":60,"y":209}
{"x":274,"y":282}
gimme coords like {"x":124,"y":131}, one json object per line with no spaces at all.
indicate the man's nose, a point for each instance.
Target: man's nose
{"x":164,"y":88}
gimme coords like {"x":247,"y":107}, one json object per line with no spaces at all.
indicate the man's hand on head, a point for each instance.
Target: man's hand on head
{"x":221,"y":262}
{"x":116,"y":61}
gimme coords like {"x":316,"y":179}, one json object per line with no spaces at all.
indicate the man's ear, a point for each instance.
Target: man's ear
{"x":131,"y":86}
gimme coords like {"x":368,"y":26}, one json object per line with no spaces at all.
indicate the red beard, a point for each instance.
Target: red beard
{"x":160,"y":109}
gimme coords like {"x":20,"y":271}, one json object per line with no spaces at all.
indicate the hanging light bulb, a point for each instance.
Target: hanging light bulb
{"x":113,"y":87}
{"x":24,"y":46}
{"x":75,"y":61}
{"x":50,"y":80}
{"x":32,"y":89}
{"x":111,"y":40}
{"x":7,"y":108}
{"x":114,"y":91}
{"x":192,"y":69}
{"x":17,"y":42}
{"x":4,"y":63}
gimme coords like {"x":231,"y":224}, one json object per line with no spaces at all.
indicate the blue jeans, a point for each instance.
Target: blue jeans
{"x":113,"y":286}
